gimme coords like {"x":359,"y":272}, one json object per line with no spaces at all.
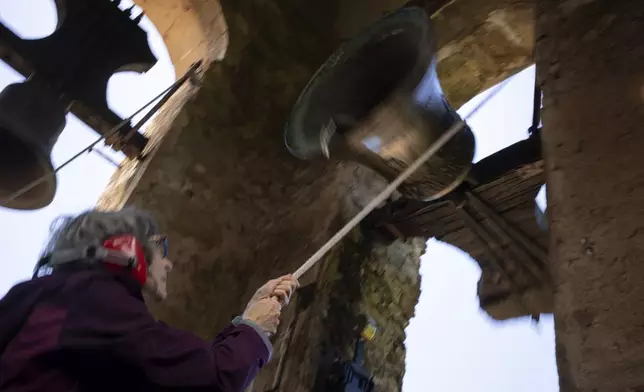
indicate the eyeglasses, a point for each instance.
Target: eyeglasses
{"x":162,"y":242}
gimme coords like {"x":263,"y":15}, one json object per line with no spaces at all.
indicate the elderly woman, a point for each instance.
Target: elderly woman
{"x":81,"y":323}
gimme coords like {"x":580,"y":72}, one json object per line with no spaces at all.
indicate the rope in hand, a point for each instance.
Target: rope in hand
{"x":107,"y":135}
{"x":387,"y":192}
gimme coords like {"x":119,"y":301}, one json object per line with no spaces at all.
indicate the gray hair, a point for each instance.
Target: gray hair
{"x":93,"y":228}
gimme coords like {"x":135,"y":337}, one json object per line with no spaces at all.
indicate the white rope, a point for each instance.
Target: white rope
{"x":384,"y":195}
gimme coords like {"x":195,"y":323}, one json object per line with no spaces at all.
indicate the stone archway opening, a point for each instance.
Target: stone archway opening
{"x":126,"y":90}
{"x":449,"y":322}
{"x":38,"y":25}
{"x":191,"y":31}
{"x":452,"y":345}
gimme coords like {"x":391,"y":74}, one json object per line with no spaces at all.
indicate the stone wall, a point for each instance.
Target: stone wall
{"x":589,"y":63}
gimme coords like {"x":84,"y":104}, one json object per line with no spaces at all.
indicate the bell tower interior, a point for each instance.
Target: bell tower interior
{"x":289,"y":117}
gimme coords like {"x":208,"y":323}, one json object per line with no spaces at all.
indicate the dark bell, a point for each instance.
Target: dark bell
{"x":377,"y":101}
{"x":31,"y":119}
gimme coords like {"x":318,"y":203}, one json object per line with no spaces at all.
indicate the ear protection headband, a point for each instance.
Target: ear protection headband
{"x":119,"y":253}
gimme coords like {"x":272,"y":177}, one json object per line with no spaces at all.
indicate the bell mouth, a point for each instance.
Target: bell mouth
{"x":358,"y":77}
{"x":20,"y":164}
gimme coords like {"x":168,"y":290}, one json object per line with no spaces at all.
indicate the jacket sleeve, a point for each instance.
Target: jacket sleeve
{"x":167,"y":357}
{"x":172,"y":358}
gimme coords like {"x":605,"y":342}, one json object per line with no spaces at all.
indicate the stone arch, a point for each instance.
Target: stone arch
{"x":191,"y":29}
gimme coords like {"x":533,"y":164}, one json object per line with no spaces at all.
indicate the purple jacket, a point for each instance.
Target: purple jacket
{"x":91,"y":331}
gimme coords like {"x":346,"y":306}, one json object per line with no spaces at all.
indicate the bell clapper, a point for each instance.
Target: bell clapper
{"x":326,"y":134}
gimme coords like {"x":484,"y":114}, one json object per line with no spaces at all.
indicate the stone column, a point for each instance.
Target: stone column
{"x":590,"y":63}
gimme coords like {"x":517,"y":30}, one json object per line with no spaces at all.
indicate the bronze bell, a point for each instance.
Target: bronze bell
{"x":31,"y":119}
{"x":378,"y":101}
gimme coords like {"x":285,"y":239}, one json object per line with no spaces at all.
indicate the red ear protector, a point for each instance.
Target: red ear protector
{"x":118,"y":253}
{"x":126,"y":248}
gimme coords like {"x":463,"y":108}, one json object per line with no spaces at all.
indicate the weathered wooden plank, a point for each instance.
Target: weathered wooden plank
{"x":508,"y":182}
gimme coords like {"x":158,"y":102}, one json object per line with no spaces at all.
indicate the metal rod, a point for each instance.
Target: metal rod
{"x":104,"y":156}
{"x":382,"y":196}
{"x":279,"y":372}
{"x":173,"y":89}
